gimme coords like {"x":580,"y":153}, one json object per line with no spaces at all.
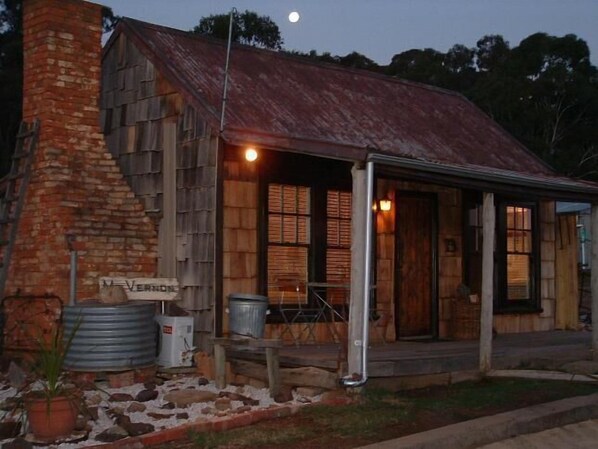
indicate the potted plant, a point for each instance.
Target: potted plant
{"x":51,"y":406}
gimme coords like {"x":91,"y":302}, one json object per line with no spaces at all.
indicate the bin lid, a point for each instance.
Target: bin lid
{"x":247,"y":296}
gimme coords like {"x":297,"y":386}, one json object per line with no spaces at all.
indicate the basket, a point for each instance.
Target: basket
{"x":465,"y":320}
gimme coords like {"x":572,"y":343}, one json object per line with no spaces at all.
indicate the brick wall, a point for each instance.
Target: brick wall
{"x":76,"y":187}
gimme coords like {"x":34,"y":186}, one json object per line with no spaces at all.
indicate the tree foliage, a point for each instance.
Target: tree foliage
{"x":248,"y":28}
{"x":544,"y":91}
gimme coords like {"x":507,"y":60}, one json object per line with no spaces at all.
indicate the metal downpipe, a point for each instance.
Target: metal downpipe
{"x":349,"y":381}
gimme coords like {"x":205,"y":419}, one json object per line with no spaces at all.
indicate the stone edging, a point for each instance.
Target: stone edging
{"x":215,"y":425}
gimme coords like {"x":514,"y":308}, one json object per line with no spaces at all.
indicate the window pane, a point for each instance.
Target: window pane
{"x":332,"y":232}
{"x":338,"y":271}
{"x":303,"y":224}
{"x":289,"y":199}
{"x":345,"y":234}
{"x":303,"y":201}
{"x":287,"y":274}
{"x":289,"y":229}
{"x":345,"y":205}
{"x":275,"y":228}
{"x":275,"y":198}
{"x":518,"y":277}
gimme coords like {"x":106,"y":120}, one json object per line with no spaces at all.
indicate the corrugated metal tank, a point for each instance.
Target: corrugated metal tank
{"x":110,"y":337}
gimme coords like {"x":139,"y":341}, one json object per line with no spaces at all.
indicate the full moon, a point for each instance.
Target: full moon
{"x":294,"y":17}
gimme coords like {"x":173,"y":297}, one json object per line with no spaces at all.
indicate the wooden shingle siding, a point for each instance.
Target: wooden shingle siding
{"x":141,"y":105}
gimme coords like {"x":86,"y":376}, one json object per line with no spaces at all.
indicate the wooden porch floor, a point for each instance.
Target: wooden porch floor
{"x":408,"y":358}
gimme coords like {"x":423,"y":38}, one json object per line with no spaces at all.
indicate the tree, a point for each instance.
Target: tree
{"x":11,"y":78}
{"x":248,"y":28}
{"x":11,"y":73}
{"x":492,"y":52}
{"x":425,"y":66}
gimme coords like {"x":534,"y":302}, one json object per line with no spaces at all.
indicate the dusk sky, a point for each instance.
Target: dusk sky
{"x":380,"y":29}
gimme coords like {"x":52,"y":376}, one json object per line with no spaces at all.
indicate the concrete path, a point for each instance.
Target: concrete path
{"x":478,"y":432}
{"x":583,"y":435}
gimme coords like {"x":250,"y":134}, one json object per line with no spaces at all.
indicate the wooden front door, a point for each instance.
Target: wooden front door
{"x":415,"y":272}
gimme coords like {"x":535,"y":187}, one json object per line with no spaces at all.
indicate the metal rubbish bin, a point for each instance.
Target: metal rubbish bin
{"x":247,"y":314}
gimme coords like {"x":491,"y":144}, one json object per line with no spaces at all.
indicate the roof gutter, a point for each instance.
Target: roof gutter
{"x":587,"y":191}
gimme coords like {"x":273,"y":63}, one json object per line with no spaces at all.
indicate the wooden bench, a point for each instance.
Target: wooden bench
{"x":272,"y":358}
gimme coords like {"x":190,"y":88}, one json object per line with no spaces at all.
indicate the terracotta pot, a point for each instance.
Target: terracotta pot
{"x":51,"y":420}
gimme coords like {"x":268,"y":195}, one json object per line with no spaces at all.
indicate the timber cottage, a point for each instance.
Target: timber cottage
{"x":331,"y":142}
{"x":375,"y":197}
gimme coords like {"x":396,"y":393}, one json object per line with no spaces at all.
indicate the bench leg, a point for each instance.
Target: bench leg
{"x":273,"y":364}
{"x":220,"y":365}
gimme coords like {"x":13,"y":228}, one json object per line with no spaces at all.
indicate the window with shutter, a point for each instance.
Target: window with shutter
{"x":289,"y":238}
{"x":338,"y":243}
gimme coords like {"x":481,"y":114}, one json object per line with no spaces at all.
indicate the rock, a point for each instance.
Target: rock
{"x":18,"y":443}
{"x":187,"y":397}
{"x":243,"y":409}
{"x":182,"y":415}
{"x":16,"y":375}
{"x":9,"y":429}
{"x":207,"y":411}
{"x":586,"y":367}
{"x":95,"y":399}
{"x":150,"y":385}
{"x":112,"y":294}
{"x":146,"y":395}
{"x":160,"y":415}
{"x":114,"y":433}
{"x":120,"y":397}
{"x":139,"y":428}
{"x":239,"y":397}
{"x":136,"y":407}
{"x":222,"y":404}
{"x":168,"y":406}
{"x":202,"y":381}
{"x":115,"y":411}
{"x":308,"y":391}
{"x":81,"y":423}
{"x":91,"y":413}
{"x":122,"y":420}
{"x":10,"y":404}
{"x":284,"y":395}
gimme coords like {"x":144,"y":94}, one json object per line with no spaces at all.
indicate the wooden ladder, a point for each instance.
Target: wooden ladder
{"x":11,"y":203}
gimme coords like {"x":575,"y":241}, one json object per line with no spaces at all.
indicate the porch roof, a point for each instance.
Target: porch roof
{"x":290,"y":103}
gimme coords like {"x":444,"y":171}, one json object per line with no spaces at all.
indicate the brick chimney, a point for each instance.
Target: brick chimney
{"x":76,"y":187}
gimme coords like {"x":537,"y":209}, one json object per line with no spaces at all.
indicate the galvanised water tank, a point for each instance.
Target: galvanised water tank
{"x":110,"y":337}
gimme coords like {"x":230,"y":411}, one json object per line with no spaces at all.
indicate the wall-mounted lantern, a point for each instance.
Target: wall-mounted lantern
{"x":384,"y":204}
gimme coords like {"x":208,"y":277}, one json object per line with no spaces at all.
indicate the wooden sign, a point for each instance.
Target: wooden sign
{"x":145,"y":289}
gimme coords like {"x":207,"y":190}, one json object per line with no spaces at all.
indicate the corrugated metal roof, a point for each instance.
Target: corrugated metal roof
{"x":295,"y":104}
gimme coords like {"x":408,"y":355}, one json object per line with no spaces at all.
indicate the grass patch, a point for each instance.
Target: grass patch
{"x":252,"y":436}
{"x":381,"y":414}
{"x":494,"y":392}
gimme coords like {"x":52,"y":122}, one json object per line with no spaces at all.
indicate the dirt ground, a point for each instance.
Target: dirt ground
{"x":385,"y":415}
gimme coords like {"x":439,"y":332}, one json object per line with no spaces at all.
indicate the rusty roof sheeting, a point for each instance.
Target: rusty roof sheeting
{"x":291,"y":102}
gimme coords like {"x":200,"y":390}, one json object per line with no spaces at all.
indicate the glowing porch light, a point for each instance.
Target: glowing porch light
{"x":251,"y":154}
